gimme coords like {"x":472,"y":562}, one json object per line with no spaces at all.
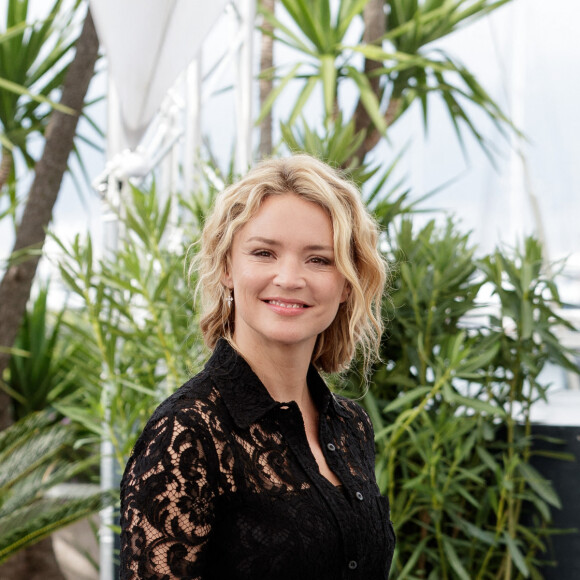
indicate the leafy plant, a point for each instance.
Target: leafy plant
{"x":33,"y":61}
{"x":451,"y":405}
{"x":388,"y":73}
{"x":415,"y":69}
{"x":41,"y":370}
{"x":136,"y":320}
{"x":318,"y":35}
{"x":35,"y":457}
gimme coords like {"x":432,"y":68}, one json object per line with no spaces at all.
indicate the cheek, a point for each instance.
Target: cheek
{"x":247,"y":280}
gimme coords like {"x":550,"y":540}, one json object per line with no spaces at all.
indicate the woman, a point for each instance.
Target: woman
{"x":253,"y":469}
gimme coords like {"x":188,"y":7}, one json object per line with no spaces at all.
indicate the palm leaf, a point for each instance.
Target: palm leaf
{"x":32,"y":464}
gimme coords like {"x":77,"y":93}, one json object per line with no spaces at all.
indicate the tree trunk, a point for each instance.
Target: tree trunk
{"x":375,"y":25}
{"x":266,"y":63}
{"x":6,"y":165}
{"x":38,"y":561}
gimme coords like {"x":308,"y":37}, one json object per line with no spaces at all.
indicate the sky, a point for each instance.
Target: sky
{"x":543,"y":77}
{"x":527,"y":56}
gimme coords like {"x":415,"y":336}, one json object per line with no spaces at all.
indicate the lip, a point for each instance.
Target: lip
{"x":286,"y":306}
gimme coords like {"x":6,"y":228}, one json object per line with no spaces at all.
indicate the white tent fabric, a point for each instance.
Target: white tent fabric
{"x":148,"y":44}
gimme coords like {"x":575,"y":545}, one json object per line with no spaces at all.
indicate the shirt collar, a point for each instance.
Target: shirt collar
{"x":246,"y":398}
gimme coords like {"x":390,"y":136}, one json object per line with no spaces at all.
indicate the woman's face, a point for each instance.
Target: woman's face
{"x":285,"y":283}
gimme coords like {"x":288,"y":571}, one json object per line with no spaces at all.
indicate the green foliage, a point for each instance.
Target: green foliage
{"x":317,"y":35}
{"x":415,"y":69}
{"x":33,"y":59}
{"x":451,"y":405}
{"x":408,"y":66}
{"x":136,"y":318}
{"x":41,"y":371}
{"x":337,"y":145}
{"x":35,"y":457}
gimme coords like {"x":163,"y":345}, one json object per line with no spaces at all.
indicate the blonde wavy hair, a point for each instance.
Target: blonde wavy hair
{"x":358,"y":323}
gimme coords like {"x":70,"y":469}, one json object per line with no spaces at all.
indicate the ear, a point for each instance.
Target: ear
{"x":226,"y":280}
{"x":345,"y":292}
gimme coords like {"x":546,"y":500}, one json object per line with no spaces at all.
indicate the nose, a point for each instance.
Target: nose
{"x":289,"y":273}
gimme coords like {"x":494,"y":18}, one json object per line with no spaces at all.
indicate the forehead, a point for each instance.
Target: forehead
{"x":289,"y":214}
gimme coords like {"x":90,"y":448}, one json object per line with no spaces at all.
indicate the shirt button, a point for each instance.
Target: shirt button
{"x":352,"y":564}
{"x":359,"y":496}
{"x":331,"y":447}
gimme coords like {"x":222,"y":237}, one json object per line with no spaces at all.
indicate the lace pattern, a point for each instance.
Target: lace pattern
{"x":222,"y":485}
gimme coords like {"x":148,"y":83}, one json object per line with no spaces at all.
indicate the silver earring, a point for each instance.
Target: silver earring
{"x":230,"y":299}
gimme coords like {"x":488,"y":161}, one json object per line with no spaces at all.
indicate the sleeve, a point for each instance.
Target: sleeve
{"x":167,"y":502}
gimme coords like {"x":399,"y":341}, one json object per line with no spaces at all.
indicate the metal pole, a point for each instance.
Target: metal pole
{"x":110,"y":226}
{"x":244,"y":84}
{"x":192,"y":141}
{"x":517,"y":195}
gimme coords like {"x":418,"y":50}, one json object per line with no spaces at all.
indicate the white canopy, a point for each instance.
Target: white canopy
{"x":148,"y":44}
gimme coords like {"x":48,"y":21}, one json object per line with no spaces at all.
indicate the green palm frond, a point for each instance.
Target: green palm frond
{"x":44,"y":372}
{"x":317,"y":35}
{"x":34,"y":459}
{"x":27,"y":525}
{"x":410,"y":66}
{"x":34,"y":58}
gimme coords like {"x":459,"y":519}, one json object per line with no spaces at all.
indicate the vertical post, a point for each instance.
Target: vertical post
{"x":192,"y":141}
{"x":110,"y":226}
{"x":517,"y":188}
{"x":107,"y":516}
{"x":244,"y":84}
{"x":169,"y":121}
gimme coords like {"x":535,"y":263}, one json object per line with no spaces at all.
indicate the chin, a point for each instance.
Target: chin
{"x":290,"y":341}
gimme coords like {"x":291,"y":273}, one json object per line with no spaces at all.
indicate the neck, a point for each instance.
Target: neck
{"x":281,"y":369}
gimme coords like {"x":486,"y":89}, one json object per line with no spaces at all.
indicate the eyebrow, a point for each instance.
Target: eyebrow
{"x":270,"y":242}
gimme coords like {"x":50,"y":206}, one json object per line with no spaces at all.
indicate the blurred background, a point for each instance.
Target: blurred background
{"x":458,"y":121}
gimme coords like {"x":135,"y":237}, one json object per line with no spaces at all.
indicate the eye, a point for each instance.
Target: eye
{"x":320,"y":260}
{"x":262,"y":253}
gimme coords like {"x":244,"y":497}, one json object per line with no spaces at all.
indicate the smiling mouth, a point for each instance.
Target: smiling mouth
{"x":290,"y":305}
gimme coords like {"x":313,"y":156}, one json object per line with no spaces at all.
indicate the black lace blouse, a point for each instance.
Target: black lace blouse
{"x":222,"y":485}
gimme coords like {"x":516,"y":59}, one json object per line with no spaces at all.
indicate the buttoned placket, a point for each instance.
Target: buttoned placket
{"x":348,"y":501}
{"x":349,"y":507}
{"x":334,"y":457}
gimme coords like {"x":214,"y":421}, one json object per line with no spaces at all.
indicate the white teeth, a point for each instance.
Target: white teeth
{"x":285,"y":304}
